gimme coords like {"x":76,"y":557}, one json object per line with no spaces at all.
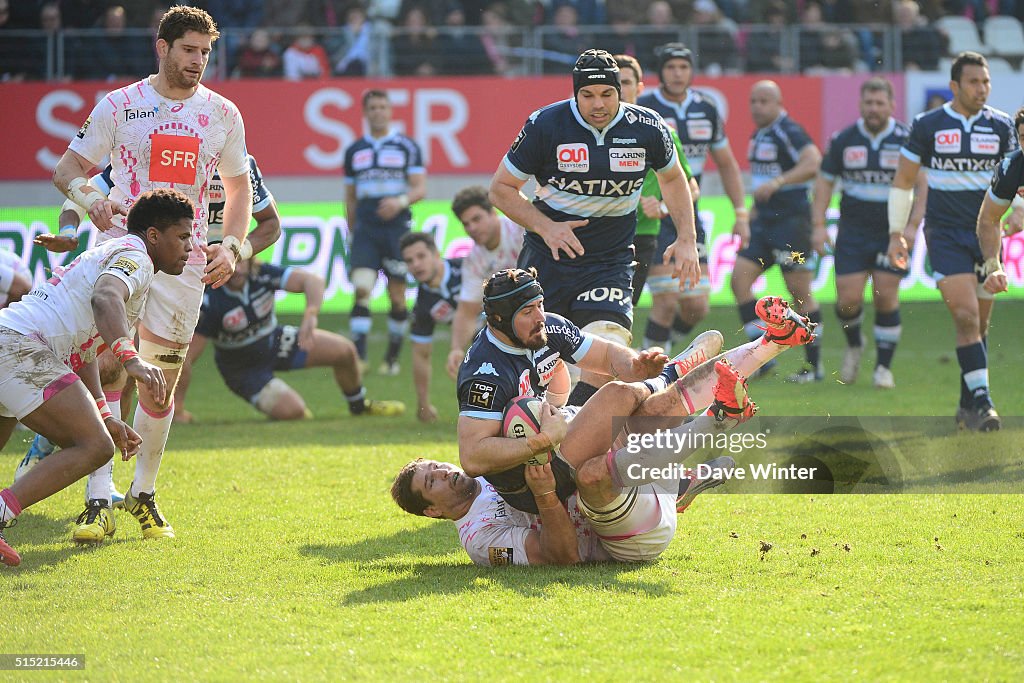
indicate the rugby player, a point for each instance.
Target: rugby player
{"x":783,"y":161}
{"x":50,"y":340}
{"x":497,"y":243}
{"x":590,"y":155}
{"x":1005,"y":190}
{"x":519,"y":352}
{"x":440,"y":283}
{"x":960,"y":144}
{"x":863,"y":158}
{"x":699,"y":125}
{"x":384,"y":176}
{"x":15,"y":278}
{"x":250,"y":345}
{"x":166,"y":130}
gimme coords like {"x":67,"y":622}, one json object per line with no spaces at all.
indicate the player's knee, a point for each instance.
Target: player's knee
{"x":966,"y":318}
{"x":592,"y":473}
{"x":627,"y":396}
{"x":278,"y":401}
{"x":363,"y":280}
{"x":694,"y":308}
{"x":97,"y":449}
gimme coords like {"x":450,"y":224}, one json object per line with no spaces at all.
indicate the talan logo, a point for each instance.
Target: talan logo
{"x":947,"y":141}
{"x":574,"y":158}
{"x":135,"y":114}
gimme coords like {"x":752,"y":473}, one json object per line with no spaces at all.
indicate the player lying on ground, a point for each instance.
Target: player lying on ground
{"x":50,"y":341}
{"x":612,"y":517}
{"x":250,"y":345}
{"x":519,"y":351}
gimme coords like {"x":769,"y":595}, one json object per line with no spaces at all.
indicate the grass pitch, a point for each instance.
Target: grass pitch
{"x":292,"y":562}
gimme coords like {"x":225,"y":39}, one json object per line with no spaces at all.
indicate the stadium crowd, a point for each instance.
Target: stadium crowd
{"x":321,"y":38}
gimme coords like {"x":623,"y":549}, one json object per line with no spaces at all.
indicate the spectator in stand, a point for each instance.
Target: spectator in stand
{"x":305,"y":58}
{"x":414,"y":48}
{"x":235,"y":14}
{"x":285,"y":14}
{"x":660,"y":16}
{"x":588,"y":12}
{"x":497,"y":38}
{"x":716,"y":38}
{"x":824,"y":47}
{"x":922,"y":44}
{"x":565,"y":43}
{"x":116,"y":54}
{"x":257,"y":59}
{"x":762,"y":11}
{"x":621,"y":36}
{"x":357,"y":33}
{"x":764,"y":45}
{"x":462,"y":52}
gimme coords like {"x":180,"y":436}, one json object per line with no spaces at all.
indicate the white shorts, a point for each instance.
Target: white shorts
{"x":172,"y":307}
{"x":638,"y":525}
{"x":30,"y":374}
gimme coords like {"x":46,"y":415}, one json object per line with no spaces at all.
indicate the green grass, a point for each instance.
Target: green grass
{"x":293,"y":563}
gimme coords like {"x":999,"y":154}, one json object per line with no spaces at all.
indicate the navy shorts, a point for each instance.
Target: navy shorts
{"x":951,"y":252}
{"x":377,"y":249}
{"x":667,"y":235}
{"x":584,"y":292}
{"x":248,"y":369}
{"x":785,"y":241}
{"x":857,"y":252}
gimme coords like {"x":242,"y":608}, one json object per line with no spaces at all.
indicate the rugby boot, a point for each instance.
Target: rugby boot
{"x":95,"y":523}
{"x":730,"y":392}
{"x":384,"y":408}
{"x":806,"y":375}
{"x":8,"y":555}
{"x":693,"y":484}
{"x":143,"y":508}
{"x":883,"y":378}
{"x":851,"y":363}
{"x":783,"y":325}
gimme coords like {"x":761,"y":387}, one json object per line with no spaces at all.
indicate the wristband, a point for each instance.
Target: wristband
{"x":245,"y":253}
{"x":124,"y":350}
{"x":663,"y":208}
{"x":68,"y":231}
{"x":990,"y":266}
{"x":741,"y":211}
{"x":1018,"y":202}
{"x":546,"y":493}
{"x":234,"y":245}
{"x":403,"y":199}
{"x":80,"y":197}
{"x":778,"y":182}
{"x":900,"y":202}
{"x":105,"y":413}
{"x":539,"y":443}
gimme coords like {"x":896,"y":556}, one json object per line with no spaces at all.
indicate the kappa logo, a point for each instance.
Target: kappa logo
{"x":486,"y":369}
{"x":948,"y":140}
{"x":623,"y":141}
{"x":573,"y":158}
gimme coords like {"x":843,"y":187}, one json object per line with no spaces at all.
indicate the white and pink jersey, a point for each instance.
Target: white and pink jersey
{"x":158,"y":142}
{"x":481,"y":263}
{"x":494,"y":533}
{"x":59,"y":311}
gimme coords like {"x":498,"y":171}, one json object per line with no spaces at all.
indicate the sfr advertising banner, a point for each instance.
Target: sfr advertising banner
{"x":463,"y":125}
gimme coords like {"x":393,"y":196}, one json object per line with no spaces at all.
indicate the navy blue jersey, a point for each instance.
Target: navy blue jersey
{"x":959,"y":155}
{"x":381,"y":168}
{"x":233,"y":320}
{"x":774,"y":150}
{"x":261,"y":197}
{"x":493,"y":373}
{"x":436,"y":305}
{"x":1008,"y":180}
{"x":695,"y":119}
{"x":584,"y":173}
{"x":865,"y":165}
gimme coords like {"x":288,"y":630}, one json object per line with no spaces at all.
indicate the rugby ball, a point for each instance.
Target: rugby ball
{"x":521,"y":420}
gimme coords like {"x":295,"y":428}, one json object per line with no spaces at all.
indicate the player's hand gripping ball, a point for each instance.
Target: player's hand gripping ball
{"x":521,"y":420}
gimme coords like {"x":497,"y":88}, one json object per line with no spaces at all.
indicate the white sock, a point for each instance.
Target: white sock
{"x":154,"y":430}
{"x":97,"y":487}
